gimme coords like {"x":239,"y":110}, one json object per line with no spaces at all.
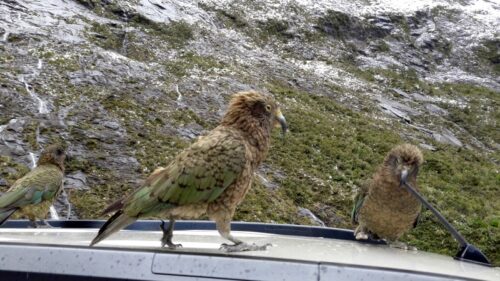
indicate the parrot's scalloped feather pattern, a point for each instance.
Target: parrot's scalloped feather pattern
{"x":384,"y":208}
{"x":211,"y":176}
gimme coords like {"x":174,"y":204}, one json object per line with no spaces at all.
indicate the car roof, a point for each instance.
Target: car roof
{"x":286,"y":248}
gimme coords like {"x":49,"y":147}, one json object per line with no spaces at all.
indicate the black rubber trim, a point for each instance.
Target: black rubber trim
{"x":35,"y":276}
{"x":154,"y":225}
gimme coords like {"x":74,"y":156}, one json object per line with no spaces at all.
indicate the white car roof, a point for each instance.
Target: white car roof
{"x":308,"y":250}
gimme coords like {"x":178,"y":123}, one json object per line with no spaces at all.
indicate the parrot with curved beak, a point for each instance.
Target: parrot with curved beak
{"x":212,"y":176}
{"x":33,"y":194}
{"x":383,"y":207}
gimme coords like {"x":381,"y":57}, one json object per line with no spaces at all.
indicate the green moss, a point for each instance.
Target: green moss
{"x":406,"y":80}
{"x":105,"y":36}
{"x":176,"y":33}
{"x":277,"y":209}
{"x":231,"y":19}
{"x":452,"y":15}
{"x":64,"y":63}
{"x":457,"y":181}
{"x":274,"y":28}
{"x":335,"y":23}
{"x":30,"y":133}
{"x":136,"y":51}
{"x":382,"y":46}
{"x":11,"y":171}
{"x":185,"y":116}
{"x":480,"y":116}
{"x":188,"y":61}
{"x":489,"y":52}
{"x":330,"y":150}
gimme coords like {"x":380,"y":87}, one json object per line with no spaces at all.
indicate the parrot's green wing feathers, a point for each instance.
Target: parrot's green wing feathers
{"x":358,"y":202}
{"x":41,"y":184}
{"x":197,"y":175}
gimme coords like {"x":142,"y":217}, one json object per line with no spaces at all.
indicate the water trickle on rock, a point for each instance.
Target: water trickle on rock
{"x":5,"y":36}
{"x":42,"y":105}
{"x":33,"y":160}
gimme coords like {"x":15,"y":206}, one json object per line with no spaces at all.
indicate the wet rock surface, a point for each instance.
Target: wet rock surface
{"x":127,"y":84}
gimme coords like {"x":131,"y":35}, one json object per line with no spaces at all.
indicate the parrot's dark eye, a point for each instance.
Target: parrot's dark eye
{"x":268,"y":107}
{"x":59,"y":151}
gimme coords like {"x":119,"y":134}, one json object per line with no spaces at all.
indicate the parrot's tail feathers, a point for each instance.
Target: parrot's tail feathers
{"x":114,"y":224}
{"x":115,"y":206}
{"x":5,"y":214}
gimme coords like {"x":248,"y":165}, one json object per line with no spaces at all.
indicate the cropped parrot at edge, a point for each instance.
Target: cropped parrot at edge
{"x":212,"y":176}
{"x":33,"y":194}
{"x":383,"y":207}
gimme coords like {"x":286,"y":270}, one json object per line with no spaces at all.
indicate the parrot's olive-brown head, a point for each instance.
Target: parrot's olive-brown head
{"x":404,"y":161}
{"x":53,"y":154}
{"x":255,"y":106}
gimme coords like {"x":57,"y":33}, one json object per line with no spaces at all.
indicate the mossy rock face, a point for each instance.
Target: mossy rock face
{"x":127,"y":93}
{"x":489,"y":52}
{"x":331,"y":150}
{"x":343,"y":26}
{"x":187,"y":62}
{"x":10,"y":171}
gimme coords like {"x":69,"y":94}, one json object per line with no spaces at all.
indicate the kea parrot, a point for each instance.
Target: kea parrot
{"x":383,"y":207}
{"x":33,"y":194}
{"x":211,"y":176}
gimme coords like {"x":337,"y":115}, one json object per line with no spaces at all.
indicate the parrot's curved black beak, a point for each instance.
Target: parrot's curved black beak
{"x":404,"y":176}
{"x":282,"y":121}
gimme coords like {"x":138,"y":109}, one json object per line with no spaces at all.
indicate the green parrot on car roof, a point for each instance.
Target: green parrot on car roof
{"x":212,"y":176}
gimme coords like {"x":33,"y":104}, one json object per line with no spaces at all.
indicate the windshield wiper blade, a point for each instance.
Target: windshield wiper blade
{"x":467,"y":251}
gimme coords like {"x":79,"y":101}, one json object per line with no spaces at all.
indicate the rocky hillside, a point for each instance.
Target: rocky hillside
{"x":126,"y":84}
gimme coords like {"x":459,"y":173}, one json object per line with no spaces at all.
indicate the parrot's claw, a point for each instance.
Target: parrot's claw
{"x":361,"y":236}
{"x":165,"y":240}
{"x":243,"y":247}
{"x":170,"y":245}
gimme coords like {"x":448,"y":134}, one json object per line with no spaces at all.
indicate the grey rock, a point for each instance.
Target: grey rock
{"x":402,"y":93}
{"x":266,"y":182}
{"x":447,"y":137}
{"x":303,"y":212}
{"x":420,"y":97}
{"x":16,"y":125}
{"x":190,"y":131}
{"x":76,"y":180}
{"x":397,"y":109}
{"x":92,"y":77}
{"x":435,"y":110}
{"x":111,"y":125}
{"x":427,"y":146}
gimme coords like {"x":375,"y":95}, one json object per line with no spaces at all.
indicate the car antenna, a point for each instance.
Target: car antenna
{"x":467,"y":251}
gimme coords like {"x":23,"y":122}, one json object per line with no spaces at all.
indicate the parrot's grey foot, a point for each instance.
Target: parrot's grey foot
{"x":166,"y":239}
{"x":243,"y":247}
{"x":401,"y":245}
{"x":170,"y":245}
{"x":361,"y":236}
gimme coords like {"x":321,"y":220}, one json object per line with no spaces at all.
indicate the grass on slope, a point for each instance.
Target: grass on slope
{"x":330,"y":150}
